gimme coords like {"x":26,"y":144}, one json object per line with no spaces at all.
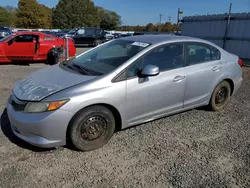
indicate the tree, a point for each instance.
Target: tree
{"x":47,"y":12}
{"x":109,"y":20}
{"x":7,"y":16}
{"x":150,"y":27}
{"x":75,"y":13}
{"x":30,"y":14}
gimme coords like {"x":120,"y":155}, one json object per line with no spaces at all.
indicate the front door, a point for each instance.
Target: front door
{"x":21,"y":47}
{"x":152,"y":97}
{"x":203,"y":69}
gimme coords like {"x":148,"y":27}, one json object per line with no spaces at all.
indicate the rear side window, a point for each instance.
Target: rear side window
{"x":89,"y":31}
{"x":215,"y":53}
{"x":199,"y":53}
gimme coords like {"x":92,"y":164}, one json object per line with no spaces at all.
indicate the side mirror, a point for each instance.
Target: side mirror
{"x":10,"y":42}
{"x":150,"y":70}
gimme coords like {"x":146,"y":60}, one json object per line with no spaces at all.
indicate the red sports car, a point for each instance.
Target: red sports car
{"x":31,"y":46}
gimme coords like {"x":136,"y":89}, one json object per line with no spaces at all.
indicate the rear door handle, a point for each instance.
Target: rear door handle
{"x":216,"y":68}
{"x":179,"y":78}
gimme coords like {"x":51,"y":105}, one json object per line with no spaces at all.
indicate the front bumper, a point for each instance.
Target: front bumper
{"x":45,"y":130}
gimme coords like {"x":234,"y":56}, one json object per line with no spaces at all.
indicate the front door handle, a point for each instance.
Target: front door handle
{"x":179,"y":78}
{"x":216,"y":68}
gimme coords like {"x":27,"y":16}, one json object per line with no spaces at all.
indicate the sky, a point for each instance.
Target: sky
{"x":141,"y":12}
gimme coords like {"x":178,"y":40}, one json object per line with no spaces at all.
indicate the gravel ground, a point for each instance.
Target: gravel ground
{"x":197,"y":148}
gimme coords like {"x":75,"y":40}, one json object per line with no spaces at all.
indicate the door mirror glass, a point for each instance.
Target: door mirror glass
{"x":150,"y":70}
{"x":10,"y":42}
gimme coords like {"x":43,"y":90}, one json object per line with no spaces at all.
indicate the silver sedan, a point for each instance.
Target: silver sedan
{"x":119,"y":84}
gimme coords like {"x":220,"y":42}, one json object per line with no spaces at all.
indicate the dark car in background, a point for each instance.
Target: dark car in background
{"x":117,"y":35}
{"x":4,"y":32}
{"x":85,"y":36}
{"x":54,"y":33}
{"x":126,"y":35}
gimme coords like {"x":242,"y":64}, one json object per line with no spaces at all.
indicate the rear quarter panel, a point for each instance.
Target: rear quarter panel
{"x":72,"y":48}
{"x":231,"y":70}
{"x":234,"y":71}
{"x":45,"y":47}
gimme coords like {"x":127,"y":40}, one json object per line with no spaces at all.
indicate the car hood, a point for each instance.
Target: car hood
{"x":46,"y":82}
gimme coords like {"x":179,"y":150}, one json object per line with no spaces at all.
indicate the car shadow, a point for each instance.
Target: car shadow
{"x":7,"y":131}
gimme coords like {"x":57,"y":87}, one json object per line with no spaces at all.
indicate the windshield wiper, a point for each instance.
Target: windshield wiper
{"x":81,"y":69}
{"x":76,"y":68}
{"x":84,"y":70}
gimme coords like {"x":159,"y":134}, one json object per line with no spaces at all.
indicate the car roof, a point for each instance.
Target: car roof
{"x":154,"y":39}
{"x":29,"y":32}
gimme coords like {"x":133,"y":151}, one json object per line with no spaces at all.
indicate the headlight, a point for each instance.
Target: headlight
{"x":35,"y":107}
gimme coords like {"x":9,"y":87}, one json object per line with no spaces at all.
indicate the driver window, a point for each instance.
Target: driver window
{"x":24,"y":38}
{"x":165,"y":57}
{"x":81,"y":32}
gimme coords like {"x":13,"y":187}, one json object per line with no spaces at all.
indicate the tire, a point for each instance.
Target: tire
{"x":92,"y":128}
{"x":51,"y":58}
{"x":97,"y":42}
{"x":221,"y":96}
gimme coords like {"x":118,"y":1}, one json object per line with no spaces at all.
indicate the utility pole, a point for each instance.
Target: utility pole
{"x":161,"y":15}
{"x":227,"y":26}
{"x":169,"y":19}
{"x":178,"y":20}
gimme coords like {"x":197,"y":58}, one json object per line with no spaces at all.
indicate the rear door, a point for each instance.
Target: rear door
{"x":203,"y":67}
{"x":90,"y":35}
{"x":21,"y":47}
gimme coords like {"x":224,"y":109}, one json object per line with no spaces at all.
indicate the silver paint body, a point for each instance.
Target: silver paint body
{"x":137,"y":100}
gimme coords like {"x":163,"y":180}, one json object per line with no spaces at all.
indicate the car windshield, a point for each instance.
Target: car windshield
{"x":5,"y":38}
{"x":107,"y":57}
{"x":72,"y":31}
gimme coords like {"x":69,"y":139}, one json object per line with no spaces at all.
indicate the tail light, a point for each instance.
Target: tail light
{"x":240,"y":62}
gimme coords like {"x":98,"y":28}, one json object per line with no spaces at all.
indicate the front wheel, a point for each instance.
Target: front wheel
{"x":92,"y":128}
{"x":221,"y":96}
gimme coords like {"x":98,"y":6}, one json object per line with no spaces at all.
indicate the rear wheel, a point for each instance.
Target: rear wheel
{"x":52,"y":57}
{"x":221,"y":96}
{"x":92,"y":128}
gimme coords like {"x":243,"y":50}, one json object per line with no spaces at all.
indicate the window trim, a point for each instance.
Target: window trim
{"x":201,"y":44}
{"x":183,"y":53}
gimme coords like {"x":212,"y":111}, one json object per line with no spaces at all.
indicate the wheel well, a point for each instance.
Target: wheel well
{"x":231,"y":85}
{"x":118,"y":119}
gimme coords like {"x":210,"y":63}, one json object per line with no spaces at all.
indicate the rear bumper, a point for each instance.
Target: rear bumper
{"x":45,"y":130}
